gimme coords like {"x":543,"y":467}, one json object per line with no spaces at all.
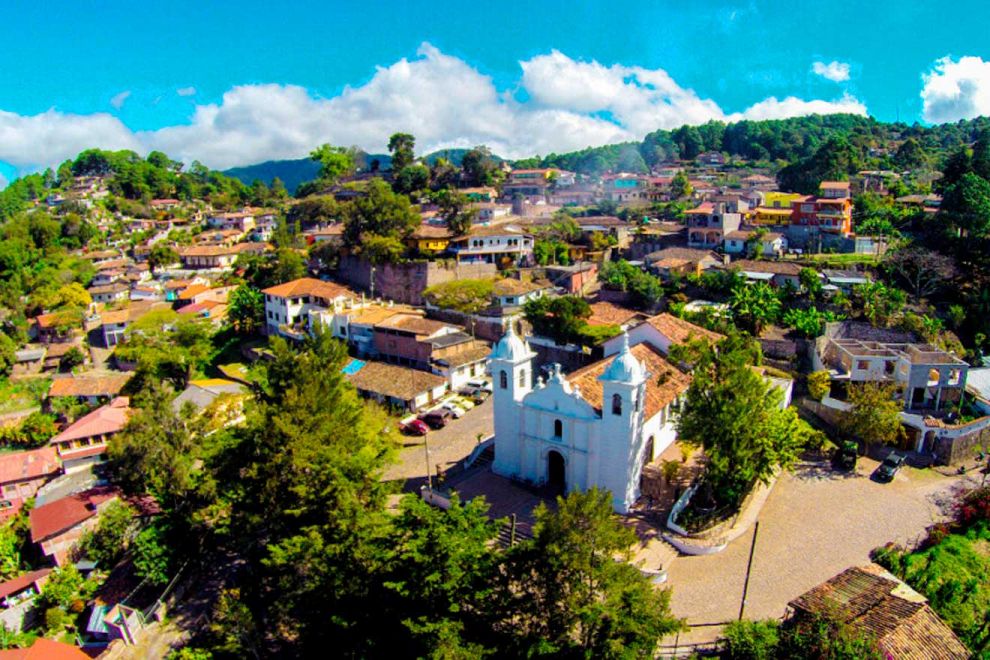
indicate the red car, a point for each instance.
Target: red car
{"x":437,"y":419}
{"x":415,"y":427}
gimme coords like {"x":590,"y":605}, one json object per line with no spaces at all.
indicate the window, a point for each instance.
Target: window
{"x":522,"y":378}
{"x":503,"y":380}
{"x":862,"y":364}
{"x":558,"y":428}
{"x":616,"y":404}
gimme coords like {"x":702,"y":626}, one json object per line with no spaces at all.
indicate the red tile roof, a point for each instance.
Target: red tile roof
{"x":664,"y":384}
{"x":55,"y":517}
{"x":105,"y":420}
{"x":18,"y":584}
{"x":106,"y":385}
{"x":26,"y":465}
{"x":307,"y":286}
{"x":45,"y":649}
{"x":680,"y":331}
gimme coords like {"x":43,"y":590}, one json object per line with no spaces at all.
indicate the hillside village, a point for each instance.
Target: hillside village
{"x":215,"y":390}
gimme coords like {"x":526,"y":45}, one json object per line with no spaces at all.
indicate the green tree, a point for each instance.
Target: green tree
{"x":36,"y":429}
{"x":412,"y":180}
{"x":161,"y":254}
{"x":811,"y":282}
{"x":680,"y":186}
{"x":567,"y":596}
{"x":288,"y":265}
{"x":480,"y":167}
{"x":456,"y":210}
{"x":107,"y":543}
{"x":401,"y":146}
{"x":442,"y":570}
{"x":911,"y":155}
{"x":155,"y":553}
{"x":246,"y":309}
{"x":335,"y":162}
{"x":382,"y":212}
{"x":966,"y":205}
{"x":874,"y":415}
{"x":63,"y":589}
{"x":309,"y":501}
{"x":755,"y":305}
{"x":8,"y":355}
{"x":166,"y":345}
{"x":562,"y":319}
{"x":808,"y":322}
{"x":10,"y":551}
{"x":879,"y":303}
{"x":156,"y":452}
{"x":735,"y":415}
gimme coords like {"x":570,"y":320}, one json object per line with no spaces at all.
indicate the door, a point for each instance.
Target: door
{"x":556,"y":478}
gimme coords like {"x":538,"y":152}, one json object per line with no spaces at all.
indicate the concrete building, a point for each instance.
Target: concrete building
{"x":596,"y":427}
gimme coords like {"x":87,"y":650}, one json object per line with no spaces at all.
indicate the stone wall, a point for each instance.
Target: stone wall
{"x":953,"y":449}
{"x":483,"y":327}
{"x":405,"y":283}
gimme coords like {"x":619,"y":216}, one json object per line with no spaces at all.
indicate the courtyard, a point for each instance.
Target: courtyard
{"x":816,"y":523}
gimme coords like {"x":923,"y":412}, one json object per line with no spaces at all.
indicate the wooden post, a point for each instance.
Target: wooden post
{"x":749,"y":567}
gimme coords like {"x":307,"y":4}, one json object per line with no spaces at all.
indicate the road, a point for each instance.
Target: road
{"x":447,"y":446}
{"x":815,"y":524}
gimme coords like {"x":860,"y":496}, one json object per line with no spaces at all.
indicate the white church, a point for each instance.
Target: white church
{"x":597,"y":426}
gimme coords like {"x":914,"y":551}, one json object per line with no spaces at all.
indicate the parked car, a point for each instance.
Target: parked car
{"x":846,"y":455}
{"x":414,"y":427}
{"x":436,"y":419}
{"x":481,"y":384}
{"x":464,"y":402}
{"x":475,"y":394}
{"x":889,"y":467}
{"x":454,"y":409}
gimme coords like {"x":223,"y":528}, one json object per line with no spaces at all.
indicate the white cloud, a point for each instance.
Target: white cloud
{"x":956,"y":90}
{"x":442,"y":100}
{"x":186,"y":91}
{"x":772,"y":108}
{"x":834,"y":70}
{"x":118,"y":100}
{"x":37,"y":141}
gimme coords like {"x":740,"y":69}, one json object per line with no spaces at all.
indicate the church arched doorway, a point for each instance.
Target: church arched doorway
{"x":556,"y":476}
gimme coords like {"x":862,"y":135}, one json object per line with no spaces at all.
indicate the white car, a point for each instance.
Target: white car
{"x":454,"y":409}
{"x":481,"y":384}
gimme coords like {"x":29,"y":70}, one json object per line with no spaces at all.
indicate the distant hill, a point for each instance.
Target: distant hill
{"x":292,"y":172}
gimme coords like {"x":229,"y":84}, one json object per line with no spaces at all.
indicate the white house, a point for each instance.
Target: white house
{"x":738,"y":242}
{"x":596,"y":427}
{"x":504,"y":245}
{"x":289,"y":304}
{"x":662,"y":331}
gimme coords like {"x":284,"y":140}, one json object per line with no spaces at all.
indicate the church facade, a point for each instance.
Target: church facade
{"x":595,"y":427}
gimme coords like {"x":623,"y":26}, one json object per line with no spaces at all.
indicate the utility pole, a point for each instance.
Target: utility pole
{"x":429,"y":477}
{"x":749,"y":568}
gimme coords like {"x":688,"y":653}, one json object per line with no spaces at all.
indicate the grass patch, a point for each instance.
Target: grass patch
{"x":22,"y":394}
{"x":840,"y":260}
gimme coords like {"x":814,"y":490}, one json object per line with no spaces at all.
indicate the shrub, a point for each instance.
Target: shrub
{"x":819,"y":384}
{"x":751,"y":640}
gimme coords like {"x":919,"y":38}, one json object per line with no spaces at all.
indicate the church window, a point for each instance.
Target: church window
{"x":503,"y":380}
{"x":522,"y":378}
{"x":558,"y":428}
{"x":616,"y":404}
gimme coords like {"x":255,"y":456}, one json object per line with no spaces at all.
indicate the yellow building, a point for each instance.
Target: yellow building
{"x":775,"y":210}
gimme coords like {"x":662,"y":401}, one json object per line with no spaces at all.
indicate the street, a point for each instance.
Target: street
{"x":447,"y":446}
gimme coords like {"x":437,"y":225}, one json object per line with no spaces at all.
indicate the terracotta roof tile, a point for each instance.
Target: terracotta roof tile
{"x":106,"y":385}
{"x":664,"y":384}
{"x":412,"y":323}
{"x":105,"y":420}
{"x":308,"y":286}
{"x":45,"y":649}
{"x":26,"y":465}
{"x":606,"y":313}
{"x":872,"y":600}
{"x":680,"y":331}
{"x":394,"y":381}
{"x":50,"y":519}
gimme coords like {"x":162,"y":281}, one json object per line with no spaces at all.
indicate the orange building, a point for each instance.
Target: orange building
{"x":831,"y":211}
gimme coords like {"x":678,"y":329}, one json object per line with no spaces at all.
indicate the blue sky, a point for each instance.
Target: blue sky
{"x":233,"y":83}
